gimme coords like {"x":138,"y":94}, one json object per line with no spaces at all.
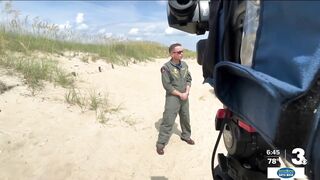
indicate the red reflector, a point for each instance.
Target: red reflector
{"x":221,"y":114}
{"x":246,"y":126}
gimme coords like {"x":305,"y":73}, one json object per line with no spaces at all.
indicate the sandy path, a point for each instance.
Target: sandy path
{"x":42,"y":137}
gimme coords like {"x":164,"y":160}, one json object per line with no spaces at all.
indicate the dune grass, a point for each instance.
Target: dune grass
{"x":92,"y":101}
{"x":36,"y":70}
{"x":113,"y":52}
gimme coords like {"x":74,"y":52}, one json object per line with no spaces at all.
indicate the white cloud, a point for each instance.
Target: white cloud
{"x":101,"y":31}
{"x":142,"y":29}
{"x":79,"y":18}
{"x":82,"y":26}
{"x":138,"y":39}
{"x":134,"y":31}
{"x":66,"y":25}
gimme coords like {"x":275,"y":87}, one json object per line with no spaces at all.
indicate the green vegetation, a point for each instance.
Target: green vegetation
{"x":92,"y":101}
{"x":35,"y":70}
{"x":114,"y":52}
{"x":75,"y":97}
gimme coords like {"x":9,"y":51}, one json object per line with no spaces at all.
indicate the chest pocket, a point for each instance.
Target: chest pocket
{"x":175,"y":72}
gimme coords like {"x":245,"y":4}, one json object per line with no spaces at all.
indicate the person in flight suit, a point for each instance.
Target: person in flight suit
{"x":176,"y":80}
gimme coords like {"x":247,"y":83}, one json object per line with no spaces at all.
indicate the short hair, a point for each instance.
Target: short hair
{"x":172,"y":46}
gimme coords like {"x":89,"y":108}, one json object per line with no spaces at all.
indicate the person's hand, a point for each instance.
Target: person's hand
{"x":184,"y":96}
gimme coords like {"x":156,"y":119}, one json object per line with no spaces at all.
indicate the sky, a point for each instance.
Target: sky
{"x":134,"y":20}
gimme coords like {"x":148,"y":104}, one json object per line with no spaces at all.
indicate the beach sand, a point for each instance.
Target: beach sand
{"x":42,"y":137}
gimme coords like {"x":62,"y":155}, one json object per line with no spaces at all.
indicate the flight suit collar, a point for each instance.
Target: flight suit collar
{"x":179,"y":66}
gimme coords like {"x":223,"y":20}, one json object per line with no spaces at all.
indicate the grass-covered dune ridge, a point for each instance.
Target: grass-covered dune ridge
{"x":115,"y":52}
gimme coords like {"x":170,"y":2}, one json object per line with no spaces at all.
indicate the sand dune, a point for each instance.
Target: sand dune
{"x":42,"y":137}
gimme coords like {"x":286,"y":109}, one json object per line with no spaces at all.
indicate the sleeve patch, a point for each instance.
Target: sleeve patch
{"x":163,"y":69}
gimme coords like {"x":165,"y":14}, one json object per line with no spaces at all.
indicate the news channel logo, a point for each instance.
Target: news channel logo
{"x":286,"y":173}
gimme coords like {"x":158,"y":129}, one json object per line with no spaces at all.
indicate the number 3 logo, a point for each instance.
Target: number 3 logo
{"x":300,"y":160}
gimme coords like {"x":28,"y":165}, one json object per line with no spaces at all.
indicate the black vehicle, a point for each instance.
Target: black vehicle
{"x":263,"y":60}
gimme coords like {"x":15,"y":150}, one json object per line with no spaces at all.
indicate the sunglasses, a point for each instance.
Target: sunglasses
{"x":178,"y":52}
